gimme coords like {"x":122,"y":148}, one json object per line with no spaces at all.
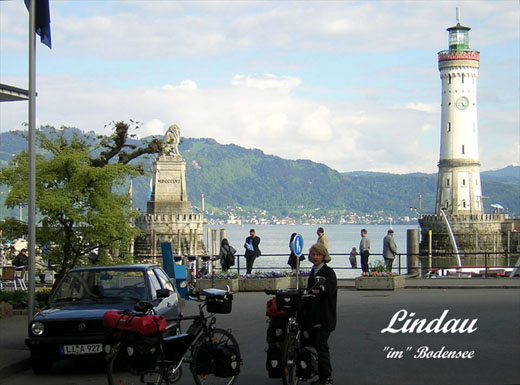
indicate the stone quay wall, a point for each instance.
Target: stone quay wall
{"x":481,"y":239}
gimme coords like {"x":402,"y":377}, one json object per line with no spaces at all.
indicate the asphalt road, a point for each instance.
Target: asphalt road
{"x":361,"y":353}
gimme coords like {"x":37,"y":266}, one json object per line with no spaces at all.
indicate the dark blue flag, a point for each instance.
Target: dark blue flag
{"x":43,"y":20}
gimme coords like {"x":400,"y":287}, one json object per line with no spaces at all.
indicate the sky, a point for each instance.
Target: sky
{"x":351,"y":84}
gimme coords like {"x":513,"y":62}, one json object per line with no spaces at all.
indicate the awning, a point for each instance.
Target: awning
{"x":12,"y":94}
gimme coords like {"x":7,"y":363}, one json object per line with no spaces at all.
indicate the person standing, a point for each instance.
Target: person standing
{"x":293,"y":259}
{"x":227,"y":255}
{"x":352,"y":258}
{"x":321,"y":315}
{"x":389,"y":249}
{"x":252,"y":250}
{"x":364,"y":250}
{"x":322,"y":238}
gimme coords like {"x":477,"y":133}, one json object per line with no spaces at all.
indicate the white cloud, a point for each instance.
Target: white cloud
{"x":341,"y":83}
{"x":423,"y":107}
{"x":185,"y":85}
{"x":265,"y":81}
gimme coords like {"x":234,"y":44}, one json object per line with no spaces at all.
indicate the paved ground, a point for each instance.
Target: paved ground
{"x":359,"y":350}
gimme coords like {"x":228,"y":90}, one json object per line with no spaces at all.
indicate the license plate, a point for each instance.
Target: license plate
{"x":81,"y":349}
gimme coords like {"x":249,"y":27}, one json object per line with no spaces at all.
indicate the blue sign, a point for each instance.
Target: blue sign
{"x":297,"y":245}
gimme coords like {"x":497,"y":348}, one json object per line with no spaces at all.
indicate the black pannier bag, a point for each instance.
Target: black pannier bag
{"x":273,"y":363}
{"x":276,"y":330}
{"x":307,"y":362}
{"x":141,"y":351}
{"x":226,"y":360}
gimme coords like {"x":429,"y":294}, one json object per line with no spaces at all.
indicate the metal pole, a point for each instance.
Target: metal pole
{"x":412,"y":250}
{"x":32,"y":158}
{"x":429,"y":249}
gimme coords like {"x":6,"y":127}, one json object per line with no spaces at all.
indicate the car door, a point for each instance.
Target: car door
{"x":169,"y":306}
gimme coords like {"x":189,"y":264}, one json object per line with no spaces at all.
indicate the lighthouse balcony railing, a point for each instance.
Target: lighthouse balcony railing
{"x":459,"y":55}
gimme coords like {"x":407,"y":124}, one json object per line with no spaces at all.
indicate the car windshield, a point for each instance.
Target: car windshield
{"x":96,"y":285}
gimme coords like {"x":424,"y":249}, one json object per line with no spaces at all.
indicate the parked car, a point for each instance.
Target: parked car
{"x":72,"y":323}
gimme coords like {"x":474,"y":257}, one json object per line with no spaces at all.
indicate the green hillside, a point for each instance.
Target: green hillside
{"x":234,"y":179}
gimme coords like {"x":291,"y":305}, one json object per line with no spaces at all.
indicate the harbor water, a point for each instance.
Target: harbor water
{"x":275,"y":244}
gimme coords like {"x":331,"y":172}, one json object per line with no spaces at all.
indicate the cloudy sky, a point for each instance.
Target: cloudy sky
{"x":352,"y":84}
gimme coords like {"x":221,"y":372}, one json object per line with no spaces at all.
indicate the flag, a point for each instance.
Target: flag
{"x":43,"y":20}
{"x":150,"y":190}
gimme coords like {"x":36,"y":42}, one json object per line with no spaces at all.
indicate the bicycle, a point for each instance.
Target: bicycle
{"x":296,"y":361}
{"x":212,"y":353}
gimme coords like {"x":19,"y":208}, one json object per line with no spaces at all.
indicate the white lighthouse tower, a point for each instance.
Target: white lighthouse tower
{"x":458,"y":185}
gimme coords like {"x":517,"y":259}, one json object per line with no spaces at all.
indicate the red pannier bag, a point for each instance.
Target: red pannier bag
{"x":143,"y":324}
{"x":271,"y":309}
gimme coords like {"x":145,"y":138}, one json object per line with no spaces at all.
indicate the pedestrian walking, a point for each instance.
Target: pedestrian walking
{"x":364,"y":251}
{"x":322,"y":238}
{"x":352,"y":258}
{"x":252,"y":250}
{"x":389,"y":249}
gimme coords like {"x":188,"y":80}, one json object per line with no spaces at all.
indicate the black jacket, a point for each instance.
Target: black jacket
{"x":321,"y":312}
{"x":256,"y":252}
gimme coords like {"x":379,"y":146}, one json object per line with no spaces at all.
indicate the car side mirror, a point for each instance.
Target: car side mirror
{"x":163,"y":293}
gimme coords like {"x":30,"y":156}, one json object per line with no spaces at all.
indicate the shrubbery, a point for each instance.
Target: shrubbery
{"x":18,"y":299}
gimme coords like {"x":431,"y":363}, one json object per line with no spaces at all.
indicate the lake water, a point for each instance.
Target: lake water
{"x":275,"y":240}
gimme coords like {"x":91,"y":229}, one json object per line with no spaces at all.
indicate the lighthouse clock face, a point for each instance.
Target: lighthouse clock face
{"x":462,"y":103}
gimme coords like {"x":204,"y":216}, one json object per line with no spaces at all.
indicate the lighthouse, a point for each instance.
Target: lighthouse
{"x":460,"y":232}
{"x":458,"y":184}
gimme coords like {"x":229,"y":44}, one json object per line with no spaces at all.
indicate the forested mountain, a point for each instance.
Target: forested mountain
{"x":232,"y":177}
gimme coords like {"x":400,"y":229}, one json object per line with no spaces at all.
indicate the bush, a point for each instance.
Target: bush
{"x":19,"y":299}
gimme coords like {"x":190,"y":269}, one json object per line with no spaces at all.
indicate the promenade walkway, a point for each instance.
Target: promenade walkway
{"x":14,"y":356}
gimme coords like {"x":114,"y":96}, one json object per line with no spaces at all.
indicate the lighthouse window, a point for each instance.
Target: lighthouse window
{"x":462,"y":78}
{"x":449,"y":126}
{"x":449,"y":79}
{"x":463,"y":204}
{"x":463,"y":149}
{"x":464,"y":182}
{"x":447,"y":183}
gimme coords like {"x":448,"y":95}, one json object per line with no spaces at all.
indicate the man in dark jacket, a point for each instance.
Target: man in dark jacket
{"x":252,"y":250}
{"x":322,"y":317}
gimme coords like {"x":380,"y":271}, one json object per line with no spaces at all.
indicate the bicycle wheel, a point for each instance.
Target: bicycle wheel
{"x":120,"y":370}
{"x":290,"y":359}
{"x":216,"y":362}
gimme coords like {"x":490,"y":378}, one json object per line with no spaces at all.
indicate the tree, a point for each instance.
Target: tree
{"x":79,"y":208}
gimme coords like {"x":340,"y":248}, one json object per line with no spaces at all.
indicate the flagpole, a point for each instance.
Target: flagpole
{"x":32,"y":158}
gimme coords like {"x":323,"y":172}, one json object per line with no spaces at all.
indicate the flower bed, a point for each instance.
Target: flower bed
{"x":222,"y":284}
{"x":380,"y":282}
{"x":219,"y":281}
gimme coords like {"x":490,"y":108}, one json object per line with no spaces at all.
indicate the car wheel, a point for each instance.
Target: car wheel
{"x":41,"y":364}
